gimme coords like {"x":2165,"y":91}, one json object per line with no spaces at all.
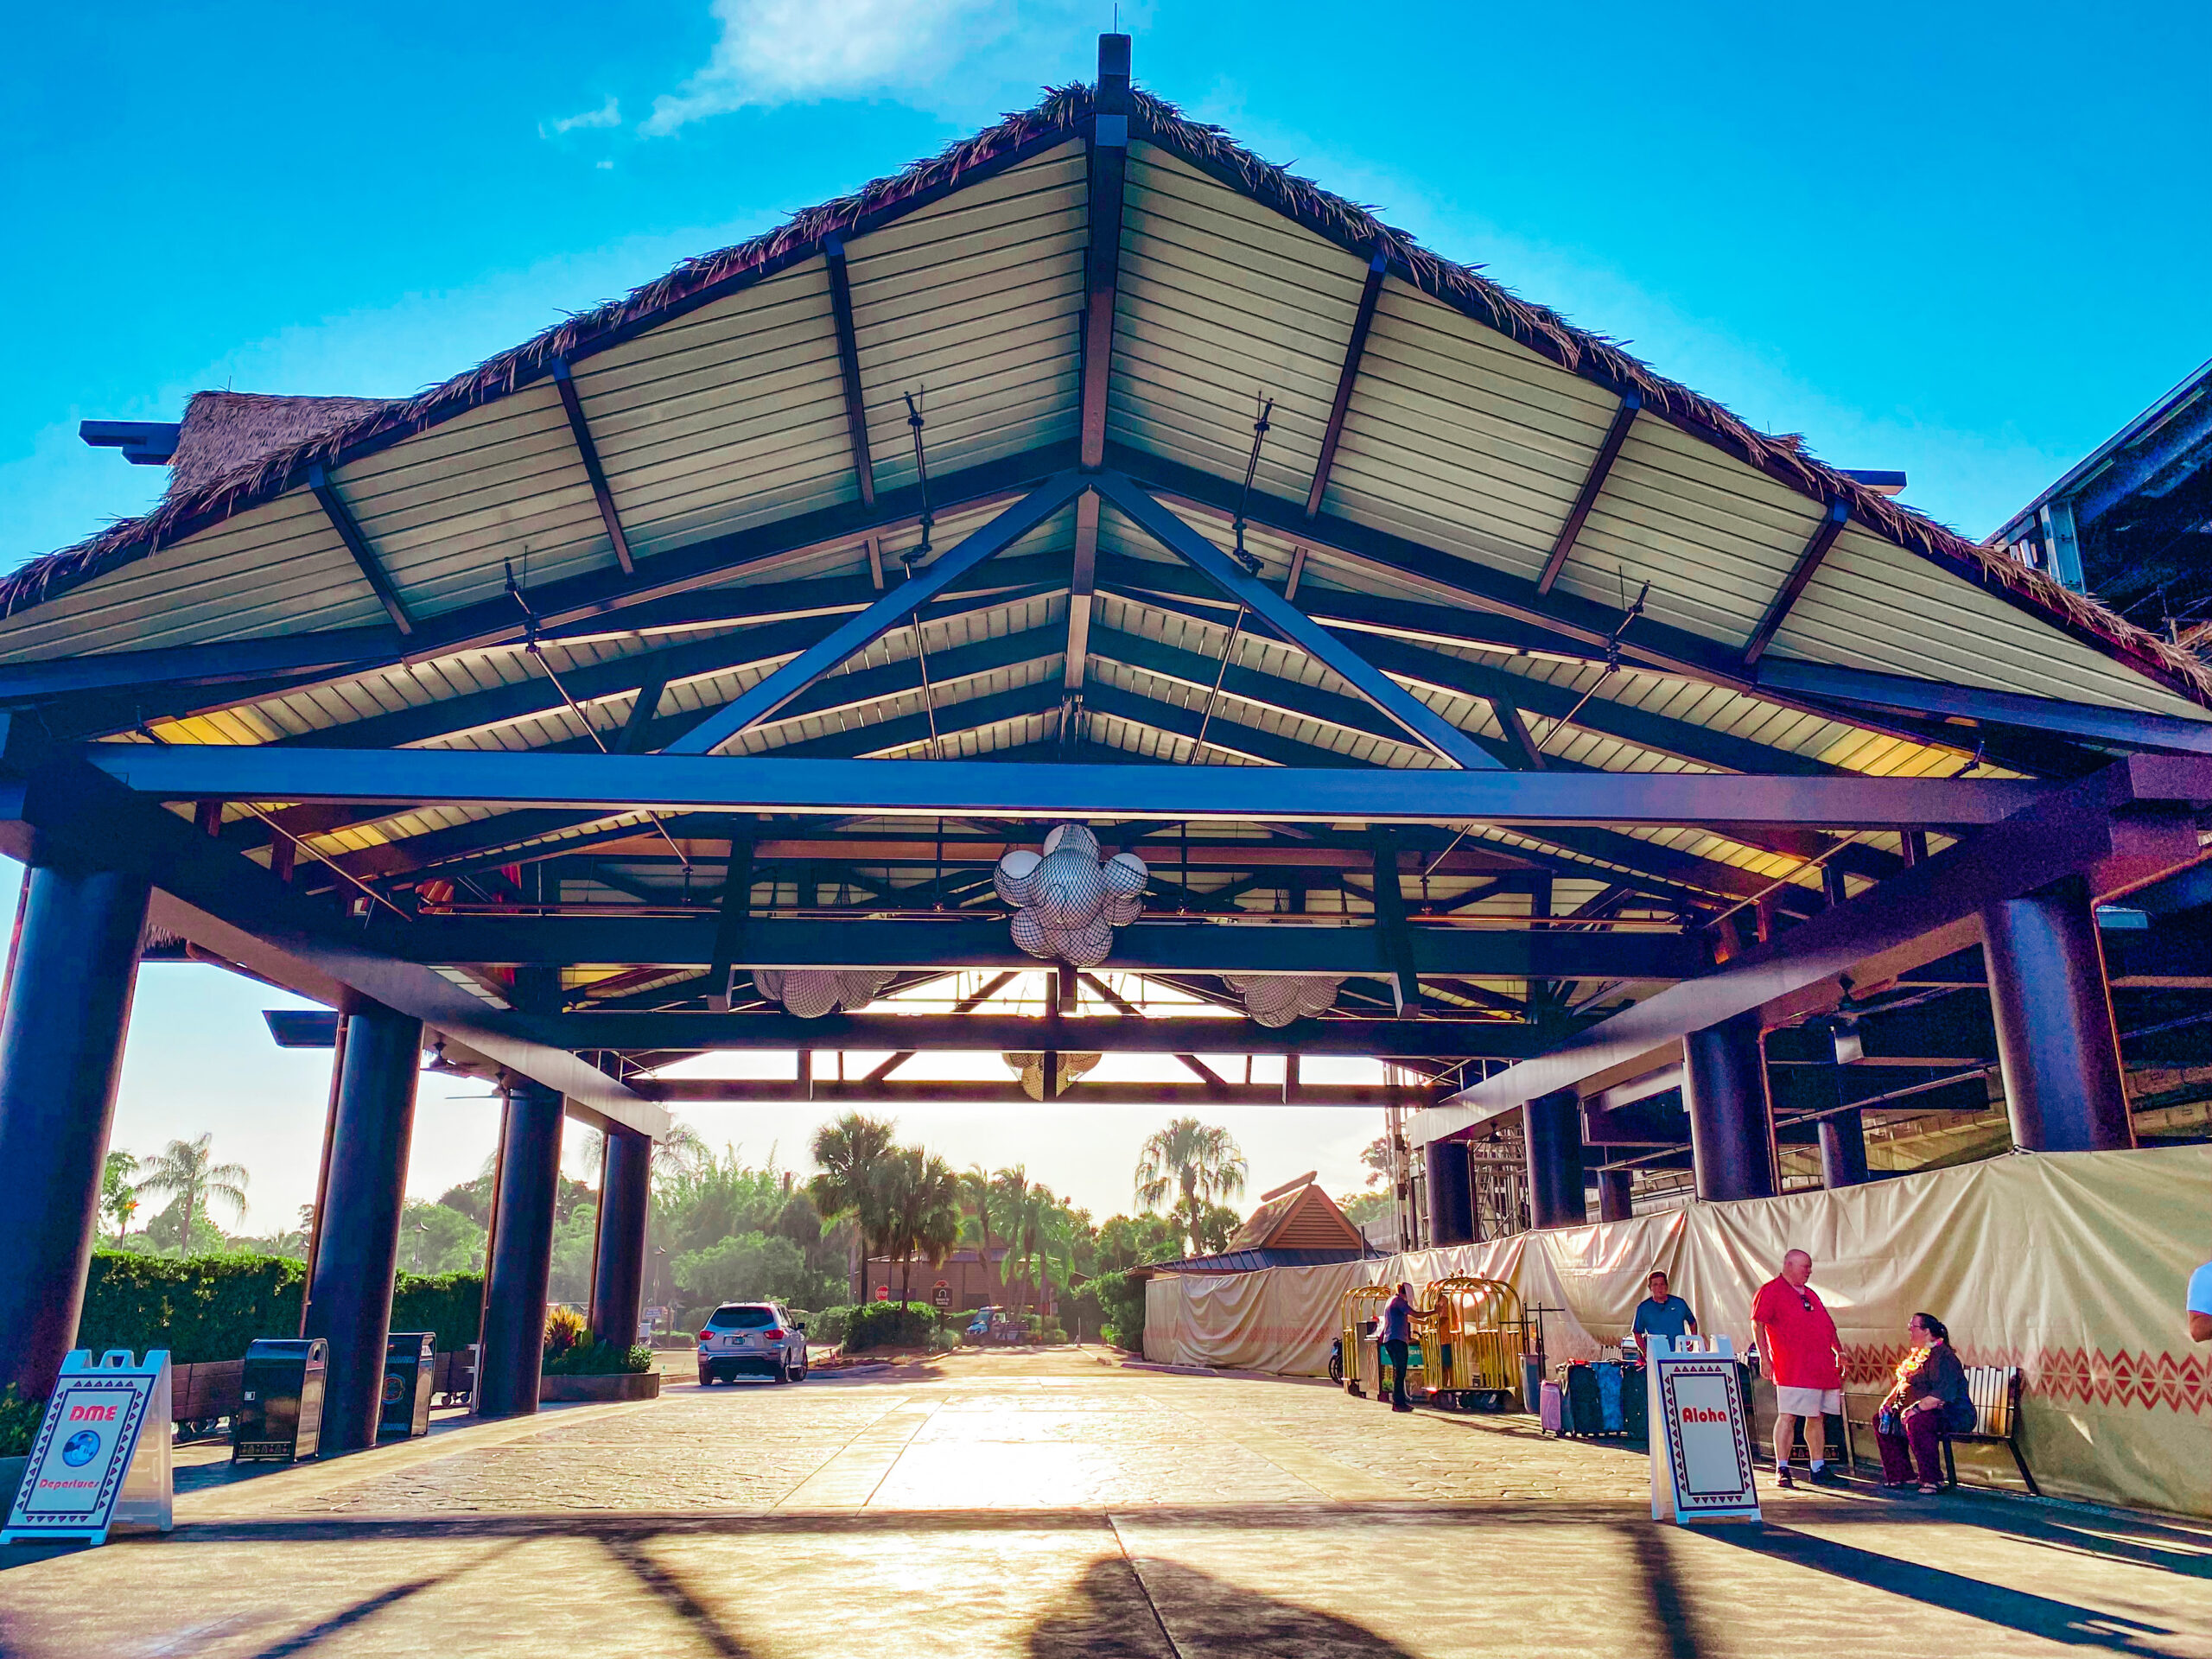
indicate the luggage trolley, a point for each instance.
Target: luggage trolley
{"x":1359,"y":1357}
{"x":1471,"y":1356}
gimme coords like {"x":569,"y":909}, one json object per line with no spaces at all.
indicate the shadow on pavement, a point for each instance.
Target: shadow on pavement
{"x":2016,"y":1609}
{"x":1160,"y":1609}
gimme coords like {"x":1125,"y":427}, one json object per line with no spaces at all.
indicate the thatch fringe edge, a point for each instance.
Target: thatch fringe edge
{"x":1058,"y":118}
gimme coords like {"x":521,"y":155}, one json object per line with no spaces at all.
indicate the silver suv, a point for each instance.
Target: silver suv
{"x":754,"y":1339}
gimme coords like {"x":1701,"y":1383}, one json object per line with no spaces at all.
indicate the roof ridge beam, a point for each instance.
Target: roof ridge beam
{"x":1425,"y":726}
{"x":1371,"y":296}
{"x":1593,"y":483}
{"x":572,"y":406}
{"x":1108,"y":145}
{"x":1837,"y":515}
{"x":892,"y":610}
{"x":349,"y":531}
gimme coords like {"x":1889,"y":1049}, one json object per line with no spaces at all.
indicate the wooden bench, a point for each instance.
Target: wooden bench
{"x":1995,"y":1391}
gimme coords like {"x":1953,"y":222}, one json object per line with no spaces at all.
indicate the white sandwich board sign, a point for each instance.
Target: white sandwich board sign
{"x":1701,"y":1438}
{"x":102,"y":1454}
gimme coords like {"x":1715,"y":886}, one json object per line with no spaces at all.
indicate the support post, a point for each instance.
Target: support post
{"x":71,"y":978}
{"x":522,"y":1253}
{"x":2055,"y":1043}
{"x":1616,"y":1195}
{"x":1450,"y":1197}
{"x":1552,"y":1128}
{"x":1843,"y":1149}
{"x":1731,"y":1128}
{"x":357,"y":1224}
{"x":617,"y":1280}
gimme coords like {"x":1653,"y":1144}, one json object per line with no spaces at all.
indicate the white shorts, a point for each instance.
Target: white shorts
{"x":1807,"y":1402}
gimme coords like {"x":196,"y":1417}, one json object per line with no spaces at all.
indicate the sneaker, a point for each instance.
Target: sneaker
{"x":1826,"y":1476}
{"x":1402,"y":1407}
{"x":1784,"y":1478}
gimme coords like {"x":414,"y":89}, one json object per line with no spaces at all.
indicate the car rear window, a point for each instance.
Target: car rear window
{"x":741,"y":1318}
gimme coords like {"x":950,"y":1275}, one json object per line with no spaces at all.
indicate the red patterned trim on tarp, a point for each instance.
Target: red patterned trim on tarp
{"x":2182,"y":1383}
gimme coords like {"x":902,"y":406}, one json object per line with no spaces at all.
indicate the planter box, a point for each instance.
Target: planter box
{"x":626,"y":1385}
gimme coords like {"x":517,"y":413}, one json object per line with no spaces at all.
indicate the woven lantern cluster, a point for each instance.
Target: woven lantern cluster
{"x":809,"y":993}
{"x":1030,"y":1068}
{"x":1068,"y":901}
{"x":1275,"y":999}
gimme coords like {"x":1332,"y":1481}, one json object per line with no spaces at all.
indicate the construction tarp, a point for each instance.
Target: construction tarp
{"x":2072,"y":1265}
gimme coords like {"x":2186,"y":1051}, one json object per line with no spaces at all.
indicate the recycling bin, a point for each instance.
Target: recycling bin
{"x":279,"y":1417}
{"x":410,"y":1377}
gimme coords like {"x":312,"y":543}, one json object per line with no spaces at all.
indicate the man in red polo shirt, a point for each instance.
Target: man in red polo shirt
{"x":1803,"y":1355}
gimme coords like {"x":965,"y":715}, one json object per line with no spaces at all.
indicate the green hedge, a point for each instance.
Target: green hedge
{"x":887,"y":1324}
{"x":1120,"y":1302}
{"x":598,"y":1359}
{"x":204,"y":1307}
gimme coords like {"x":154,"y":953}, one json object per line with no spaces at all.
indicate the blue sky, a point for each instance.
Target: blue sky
{"x":1968,"y":241}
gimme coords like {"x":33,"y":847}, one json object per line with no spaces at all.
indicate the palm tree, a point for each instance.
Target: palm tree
{"x":118,"y":1193}
{"x":852,"y":1153}
{"x":920,"y":1196}
{"x":186,"y":1170}
{"x":1041,"y":1242}
{"x":1199,"y":1163}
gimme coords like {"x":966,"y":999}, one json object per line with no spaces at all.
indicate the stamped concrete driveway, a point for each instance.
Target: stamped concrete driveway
{"x":1061,"y":1504}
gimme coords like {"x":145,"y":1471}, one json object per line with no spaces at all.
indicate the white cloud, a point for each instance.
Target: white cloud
{"x":609,"y":114}
{"x":795,"y":51}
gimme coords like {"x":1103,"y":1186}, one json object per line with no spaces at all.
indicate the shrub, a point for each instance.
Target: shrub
{"x":596,"y":1359}
{"x":889,"y":1324}
{"x":565,"y":1332}
{"x":1050,"y":1331}
{"x":1121,"y":1305}
{"x":204,"y":1307}
{"x":450,"y":1306}
{"x":19,"y":1421}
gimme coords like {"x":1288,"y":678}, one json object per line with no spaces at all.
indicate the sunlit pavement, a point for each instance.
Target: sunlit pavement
{"x":1055,"y":1503}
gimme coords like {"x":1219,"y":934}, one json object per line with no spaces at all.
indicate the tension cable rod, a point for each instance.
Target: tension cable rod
{"x":1244,"y":557}
{"x":536,"y":652}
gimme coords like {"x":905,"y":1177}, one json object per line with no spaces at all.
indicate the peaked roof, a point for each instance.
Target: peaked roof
{"x":1057,"y":119}
{"x":1306,"y":1218}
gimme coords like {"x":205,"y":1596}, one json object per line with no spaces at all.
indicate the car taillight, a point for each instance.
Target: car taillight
{"x":773,"y":1336}
{"x":703,"y":1335}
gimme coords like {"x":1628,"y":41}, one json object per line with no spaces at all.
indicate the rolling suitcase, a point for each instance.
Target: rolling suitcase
{"x":1635,"y":1403}
{"x":1610,"y":1420}
{"x":1584,"y":1412}
{"x":1551,"y":1408}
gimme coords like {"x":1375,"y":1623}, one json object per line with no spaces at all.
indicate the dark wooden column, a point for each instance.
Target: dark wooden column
{"x":357,"y":1227}
{"x":1616,"y":1195}
{"x":522,"y":1253}
{"x":1732,"y":1128}
{"x":1552,"y":1127}
{"x":618,"y":1281}
{"x":1843,"y":1149}
{"x":1451,"y":1198}
{"x":71,"y":979}
{"x":2055,"y":1043}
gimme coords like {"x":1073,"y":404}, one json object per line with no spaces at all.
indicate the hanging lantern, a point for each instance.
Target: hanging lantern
{"x":1275,"y":999}
{"x":1030,"y":1068}
{"x":1067,"y":901}
{"x":811,"y":993}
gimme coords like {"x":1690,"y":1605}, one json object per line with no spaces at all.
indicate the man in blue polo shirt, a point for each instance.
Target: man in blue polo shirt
{"x":1661,"y":1315}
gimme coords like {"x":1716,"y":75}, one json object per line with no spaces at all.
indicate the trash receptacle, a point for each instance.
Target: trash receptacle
{"x":280,"y":1400}
{"x":410,"y":1376}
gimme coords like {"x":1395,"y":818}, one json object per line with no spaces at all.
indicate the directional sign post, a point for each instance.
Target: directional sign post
{"x":1701,"y":1439}
{"x":102,"y":1454}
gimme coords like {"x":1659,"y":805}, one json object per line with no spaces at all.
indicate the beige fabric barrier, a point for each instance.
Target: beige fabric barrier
{"x":2072,"y":1265}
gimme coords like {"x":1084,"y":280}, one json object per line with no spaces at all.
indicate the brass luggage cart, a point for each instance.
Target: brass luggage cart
{"x":1474,"y":1333}
{"x":1358,"y":1361}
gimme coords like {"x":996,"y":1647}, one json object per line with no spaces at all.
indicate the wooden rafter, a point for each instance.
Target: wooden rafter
{"x":1808,"y":561}
{"x":1593,"y":484}
{"x":349,"y":531}
{"x":588,"y":452}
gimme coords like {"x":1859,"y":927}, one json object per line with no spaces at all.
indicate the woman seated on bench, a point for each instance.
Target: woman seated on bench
{"x":1928,"y":1401}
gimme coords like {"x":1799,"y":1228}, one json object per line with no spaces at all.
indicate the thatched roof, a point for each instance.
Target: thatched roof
{"x":233,"y":433}
{"x":1059,"y":118}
